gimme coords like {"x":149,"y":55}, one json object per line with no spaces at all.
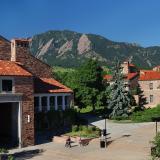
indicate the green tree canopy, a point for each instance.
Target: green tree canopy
{"x":87,"y":83}
{"x":91,"y":89}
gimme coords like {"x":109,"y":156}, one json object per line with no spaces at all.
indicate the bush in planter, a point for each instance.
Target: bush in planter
{"x":75,"y":128}
{"x":80,"y":128}
{"x":3,"y":153}
{"x":10,"y":157}
{"x":89,"y":130}
{"x":156,"y":146}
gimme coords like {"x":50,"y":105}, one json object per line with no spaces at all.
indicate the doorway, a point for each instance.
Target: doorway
{"x":9,"y":124}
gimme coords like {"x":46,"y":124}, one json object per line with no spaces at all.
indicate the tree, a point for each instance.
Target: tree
{"x":142,"y":99}
{"x":120,"y":98}
{"x":90,"y":88}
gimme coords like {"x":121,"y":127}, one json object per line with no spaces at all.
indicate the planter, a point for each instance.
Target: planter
{"x":3,"y":156}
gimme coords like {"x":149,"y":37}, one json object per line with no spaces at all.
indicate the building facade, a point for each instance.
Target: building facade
{"x":147,"y":80}
{"x":26,"y":86}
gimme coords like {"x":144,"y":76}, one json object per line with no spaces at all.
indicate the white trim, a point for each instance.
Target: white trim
{"x":63,"y":103}
{"x":55,"y":103}
{"x":20,"y":124}
{"x":52,"y":94}
{"x":19,"y":120}
{"x":48,"y":103}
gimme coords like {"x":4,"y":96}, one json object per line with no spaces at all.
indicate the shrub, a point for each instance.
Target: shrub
{"x":84,"y":128}
{"x":10,"y":157}
{"x":146,"y":115}
{"x":119,"y":118}
{"x":86,"y":109}
{"x":156,"y":143}
{"x":80,"y":128}
{"x":94,"y":128}
{"x":3,"y":150}
{"x":89,"y":130}
{"x":75,"y":128}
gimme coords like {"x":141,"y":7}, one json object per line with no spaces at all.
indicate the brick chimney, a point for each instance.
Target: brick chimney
{"x":125,"y":66}
{"x":18,"y":43}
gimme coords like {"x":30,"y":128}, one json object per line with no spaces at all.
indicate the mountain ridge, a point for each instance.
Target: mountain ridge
{"x":70,"y":49}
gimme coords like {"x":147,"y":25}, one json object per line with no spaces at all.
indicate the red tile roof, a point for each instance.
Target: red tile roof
{"x":147,"y":75}
{"x":8,"y":68}
{"x":50,"y":85}
{"x":108,"y":77}
{"x":129,"y":76}
{"x":131,"y":65}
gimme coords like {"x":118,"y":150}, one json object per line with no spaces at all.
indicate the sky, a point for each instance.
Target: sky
{"x":136,"y":21}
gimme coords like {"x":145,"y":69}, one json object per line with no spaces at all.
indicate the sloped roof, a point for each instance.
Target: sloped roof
{"x":129,"y":76}
{"x":9,"y":68}
{"x":147,"y":75}
{"x":50,"y":85}
{"x":108,"y":77}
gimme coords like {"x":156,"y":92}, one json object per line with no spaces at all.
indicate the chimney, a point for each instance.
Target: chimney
{"x":18,"y":43}
{"x":125,"y":67}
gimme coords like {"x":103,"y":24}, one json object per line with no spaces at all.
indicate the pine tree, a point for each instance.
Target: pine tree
{"x":142,"y":99}
{"x":120,"y":98}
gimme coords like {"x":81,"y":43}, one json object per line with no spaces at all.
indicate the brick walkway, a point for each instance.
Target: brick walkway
{"x":132,"y":146}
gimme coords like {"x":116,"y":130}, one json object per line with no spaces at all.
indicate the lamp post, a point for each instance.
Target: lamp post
{"x":105,"y":131}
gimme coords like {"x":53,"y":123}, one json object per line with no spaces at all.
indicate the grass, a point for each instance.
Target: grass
{"x":98,"y":110}
{"x":61,"y":69}
{"x":87,"y":109}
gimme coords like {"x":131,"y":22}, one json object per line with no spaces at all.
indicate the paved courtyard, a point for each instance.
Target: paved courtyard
{"x":127,"y":142}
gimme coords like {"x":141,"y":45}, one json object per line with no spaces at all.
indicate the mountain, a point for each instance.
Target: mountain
{"x":70,"y":49}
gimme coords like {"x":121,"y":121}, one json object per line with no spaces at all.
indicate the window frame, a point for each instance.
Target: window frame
{"x":13,"y":84}
{"x":151,"y":99}
{"x":151,"y":85}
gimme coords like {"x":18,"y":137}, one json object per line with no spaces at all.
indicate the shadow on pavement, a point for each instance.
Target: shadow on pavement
{"x":27,"y":154}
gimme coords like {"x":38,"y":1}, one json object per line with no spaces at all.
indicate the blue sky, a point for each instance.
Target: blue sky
{"x":119,"y":20}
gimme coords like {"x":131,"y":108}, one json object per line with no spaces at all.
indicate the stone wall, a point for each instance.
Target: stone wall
{"x":147,"y":92}
{"x":24,"y":85}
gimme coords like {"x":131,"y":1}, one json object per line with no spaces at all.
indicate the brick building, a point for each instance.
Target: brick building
{"x":148,"y":80}
{"x":26,"y":87}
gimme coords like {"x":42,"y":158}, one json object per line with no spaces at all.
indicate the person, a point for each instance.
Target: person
{"x":80,"y":141}
{"x":68,"y":142}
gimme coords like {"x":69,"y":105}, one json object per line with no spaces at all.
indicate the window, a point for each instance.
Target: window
{"x":6,"y":85}
{"x":36,"y":103}
{"x":44,"y":103}
{"x":52,"y":102}
{"x":59,"y":101}
{"x":151,"y":98}
{"x":150,"y":86}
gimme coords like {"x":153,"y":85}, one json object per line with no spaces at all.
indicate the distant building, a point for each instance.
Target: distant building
{"x":148,"y":80}
{"x":26,"y":87}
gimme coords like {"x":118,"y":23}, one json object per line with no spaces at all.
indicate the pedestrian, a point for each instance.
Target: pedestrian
{"x":68,"y":142}
{"x":80,"y":141}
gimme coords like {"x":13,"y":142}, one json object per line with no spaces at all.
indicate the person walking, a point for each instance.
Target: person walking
{"x":68,"y":142}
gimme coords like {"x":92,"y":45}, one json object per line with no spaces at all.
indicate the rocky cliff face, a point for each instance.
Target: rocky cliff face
{"x":84,"y":44}
{"x":70,"y":49}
